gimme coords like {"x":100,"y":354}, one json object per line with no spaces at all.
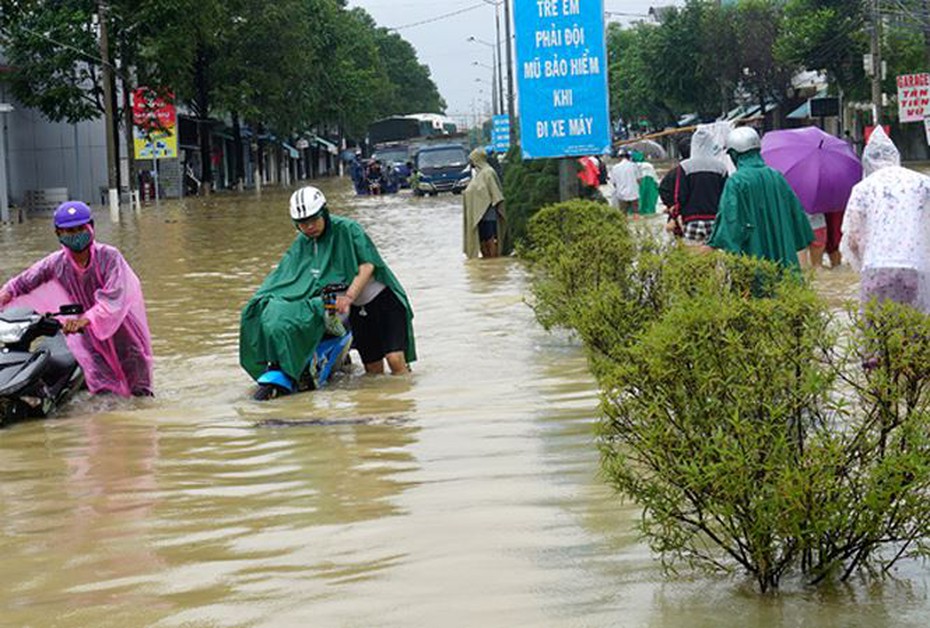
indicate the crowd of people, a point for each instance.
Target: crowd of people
{"x":747,"y":209}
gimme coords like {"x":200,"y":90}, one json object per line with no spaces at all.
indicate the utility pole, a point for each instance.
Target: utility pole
{"x":4,"y":200}
{"x":925,"y":14}
{"x":494,"y":84}
{"x":500,"y":63}
{"x":510,"y":112}
{"x":876,"y":50}
{"x":112,"y":189}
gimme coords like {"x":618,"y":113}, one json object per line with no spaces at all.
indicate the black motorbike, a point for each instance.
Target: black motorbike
{"x":37,"y":371}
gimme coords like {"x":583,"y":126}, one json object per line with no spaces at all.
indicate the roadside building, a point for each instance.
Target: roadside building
{"x":47,"y":160}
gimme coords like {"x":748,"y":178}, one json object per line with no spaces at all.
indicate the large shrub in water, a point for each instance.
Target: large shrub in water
{"x":745,"y":427}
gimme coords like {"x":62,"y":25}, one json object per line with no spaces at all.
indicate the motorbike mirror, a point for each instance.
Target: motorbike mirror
{"x":71,"y":309}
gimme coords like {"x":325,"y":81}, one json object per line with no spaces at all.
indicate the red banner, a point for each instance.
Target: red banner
{"x":151,"y":111}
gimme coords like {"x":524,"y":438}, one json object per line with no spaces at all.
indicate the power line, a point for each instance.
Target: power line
{"x":82,"y":53}
{"x":439,"y":17}
{"x":625,"y":14}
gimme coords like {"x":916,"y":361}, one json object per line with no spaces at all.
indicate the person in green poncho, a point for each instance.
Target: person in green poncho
{"x":648,"y":184}
{"x":759,"y":213}
{"x":284,"y":320}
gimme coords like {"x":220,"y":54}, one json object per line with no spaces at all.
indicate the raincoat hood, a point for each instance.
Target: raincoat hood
{"x":880,"y":152}
{"x":478,"y":158}
{"x":749,"y":159}
{"x":704,"y":144}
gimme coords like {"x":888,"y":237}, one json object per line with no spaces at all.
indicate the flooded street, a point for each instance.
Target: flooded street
{"x":465,"y":494}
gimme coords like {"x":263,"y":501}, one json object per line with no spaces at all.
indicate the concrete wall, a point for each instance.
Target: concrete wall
{"x":43,"y":154}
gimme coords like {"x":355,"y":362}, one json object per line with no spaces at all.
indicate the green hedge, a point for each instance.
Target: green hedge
{"x":747,"y":428}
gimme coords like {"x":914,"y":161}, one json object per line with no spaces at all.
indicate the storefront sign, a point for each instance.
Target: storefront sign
{"x":562,"y":77}
{"x":913,"y":97}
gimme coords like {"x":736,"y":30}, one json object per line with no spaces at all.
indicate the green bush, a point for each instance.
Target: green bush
{"x":530,"y":185}
{"x":746,"y":427}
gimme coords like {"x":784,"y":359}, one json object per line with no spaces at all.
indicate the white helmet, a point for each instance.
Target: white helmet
{"x":306,"y":203}
{"x":743,"y":139}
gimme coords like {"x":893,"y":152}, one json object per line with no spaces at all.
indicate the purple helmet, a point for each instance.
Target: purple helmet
{"x":72,"y":214}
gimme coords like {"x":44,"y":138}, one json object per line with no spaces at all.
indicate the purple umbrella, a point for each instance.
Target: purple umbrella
{"x":821,"y":169}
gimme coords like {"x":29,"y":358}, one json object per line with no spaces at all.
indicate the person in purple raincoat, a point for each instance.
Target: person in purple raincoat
{"x":110,"y":340}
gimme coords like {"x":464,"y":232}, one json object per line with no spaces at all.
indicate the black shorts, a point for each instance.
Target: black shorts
{"x":379,"y":327}
{"x":487,"y":226}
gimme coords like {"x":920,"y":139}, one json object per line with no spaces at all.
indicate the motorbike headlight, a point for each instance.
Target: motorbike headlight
{"x":13,"y":332}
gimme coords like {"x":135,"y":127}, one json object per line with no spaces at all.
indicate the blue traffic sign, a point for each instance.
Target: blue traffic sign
{"x":500,"y":133}
{"x":562,"y":77}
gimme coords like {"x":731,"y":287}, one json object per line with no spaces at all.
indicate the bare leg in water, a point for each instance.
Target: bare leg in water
{"x":397,"y":362}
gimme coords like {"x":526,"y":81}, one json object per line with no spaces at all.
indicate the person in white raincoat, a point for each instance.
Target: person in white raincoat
{"x":887,"y":227}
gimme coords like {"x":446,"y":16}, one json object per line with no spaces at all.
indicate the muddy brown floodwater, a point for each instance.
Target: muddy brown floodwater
{"x":465,"y":494}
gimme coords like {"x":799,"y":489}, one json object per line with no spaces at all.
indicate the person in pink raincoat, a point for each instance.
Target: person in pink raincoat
{"x":110,"y":340}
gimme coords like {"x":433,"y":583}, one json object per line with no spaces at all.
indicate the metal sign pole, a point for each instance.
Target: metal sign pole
{"x":155,"y":168}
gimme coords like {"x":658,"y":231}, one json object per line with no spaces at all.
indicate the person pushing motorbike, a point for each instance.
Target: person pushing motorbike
{"x":284,"y":321}
{"x":110,"y":340}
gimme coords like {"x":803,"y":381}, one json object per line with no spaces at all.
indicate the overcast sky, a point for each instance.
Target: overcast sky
{"x":443,"y":44}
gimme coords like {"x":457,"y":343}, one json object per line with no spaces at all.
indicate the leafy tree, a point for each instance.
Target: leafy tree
{"x":55,"y":57}
{"x":195,"y":36}
{"x":690,"y":78}
{"x":54,"y":51}
{"x":354,"y":82}
{"x":632,"y":63}
{"x":827,"y":35}
{"x":282,"y":67}
{"x":758,"y":27}
{"x":267,"y":81}
{"x":412,"y":90}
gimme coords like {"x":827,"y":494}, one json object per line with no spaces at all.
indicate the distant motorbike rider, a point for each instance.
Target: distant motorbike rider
{"x":284,"y":321}
{"x":375,"y":177}
{"x":110,"y":340}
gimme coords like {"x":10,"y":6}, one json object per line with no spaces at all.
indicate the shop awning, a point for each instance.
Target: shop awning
{"x":801,"y":113}
{"x":327,"y":145}
{"x":804,"y":111}
{"x":291,"y":151}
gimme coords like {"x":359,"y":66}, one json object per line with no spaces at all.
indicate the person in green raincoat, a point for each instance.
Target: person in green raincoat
{"x":284,"y":321}
{"x":483,"y":216}
{"x":648,"y":184}
{"x":759,"y":213}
